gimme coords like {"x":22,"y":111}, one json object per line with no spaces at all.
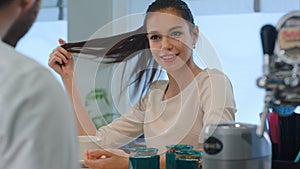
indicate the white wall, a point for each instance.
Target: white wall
{"x":41,"y":39}
{"x":84,"y":20}
{"x":236,"y":38}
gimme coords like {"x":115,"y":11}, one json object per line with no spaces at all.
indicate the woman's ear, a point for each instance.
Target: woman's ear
{"x":195,"y":34}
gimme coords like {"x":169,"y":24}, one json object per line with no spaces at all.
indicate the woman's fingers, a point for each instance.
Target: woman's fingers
{"x":107,"y":152}
{"x":94,"y":164}
{"x":97,"y":153}
{"x":61,"y":53}
{"x":92,"y":159}
{"x":61,"y":41}
{"x":63,"y":57}
{"x":61,"y":61}
{"x":54,"y":60}
{"x":108,"y":159}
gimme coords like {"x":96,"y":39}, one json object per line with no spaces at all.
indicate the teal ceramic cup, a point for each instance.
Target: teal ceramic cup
{"x":188,"y":159}
{"x":143,"y":158}
{"x":170,"y":154}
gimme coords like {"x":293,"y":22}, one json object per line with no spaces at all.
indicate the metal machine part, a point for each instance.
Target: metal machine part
{"x":281,"y":67}
{"x":235,"y":145}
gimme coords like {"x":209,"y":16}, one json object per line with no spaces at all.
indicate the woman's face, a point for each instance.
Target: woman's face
{"x":170,"y":38}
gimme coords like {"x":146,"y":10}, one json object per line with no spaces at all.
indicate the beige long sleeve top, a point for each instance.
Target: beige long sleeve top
{"x":181,"y":119}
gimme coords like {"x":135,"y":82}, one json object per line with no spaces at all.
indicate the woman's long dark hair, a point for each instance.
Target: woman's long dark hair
{"x":123,"y":47}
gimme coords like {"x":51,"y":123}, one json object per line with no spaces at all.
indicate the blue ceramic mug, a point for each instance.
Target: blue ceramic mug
{"x":143,"y":158}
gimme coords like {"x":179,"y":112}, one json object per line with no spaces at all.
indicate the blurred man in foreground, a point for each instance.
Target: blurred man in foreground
{"x":37,"y":128}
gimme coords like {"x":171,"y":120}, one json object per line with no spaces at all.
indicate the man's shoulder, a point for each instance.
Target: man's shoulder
{"x":19,"y":67}
{"x":25,"y":64}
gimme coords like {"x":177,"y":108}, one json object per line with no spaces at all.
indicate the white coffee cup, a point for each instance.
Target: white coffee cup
{"x":87,"y":142}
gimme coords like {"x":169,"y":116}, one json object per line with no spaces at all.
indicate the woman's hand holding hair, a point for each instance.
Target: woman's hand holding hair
{"x":61,"y":61}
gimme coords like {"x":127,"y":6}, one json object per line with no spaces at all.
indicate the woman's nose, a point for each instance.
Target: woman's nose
{"x":166,"y":43}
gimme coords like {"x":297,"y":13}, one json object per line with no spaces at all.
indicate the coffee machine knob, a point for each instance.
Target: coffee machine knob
{"x":212,"y":146}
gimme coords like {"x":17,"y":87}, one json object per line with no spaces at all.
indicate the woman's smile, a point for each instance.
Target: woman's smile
{"x":168,"y":58}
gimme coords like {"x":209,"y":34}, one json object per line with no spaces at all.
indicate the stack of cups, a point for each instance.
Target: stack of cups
{"x":182,"y":156}
{"x":188,"y":159}
{"x":171,"y":153}
{"x":143,"y":158}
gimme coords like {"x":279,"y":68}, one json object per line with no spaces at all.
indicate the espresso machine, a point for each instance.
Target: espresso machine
{"x":281,"y":81}
{"x":234,"y":145}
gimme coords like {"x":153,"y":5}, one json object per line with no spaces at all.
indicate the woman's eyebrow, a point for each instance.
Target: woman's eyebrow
{"x":171,"y":29}
{"x":175,"y":27}
{"x":153,"y":32}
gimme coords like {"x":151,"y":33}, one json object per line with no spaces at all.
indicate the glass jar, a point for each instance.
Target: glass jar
{"x":170,"y":154}
{"x":188,"y":159}
{"x":143,"y":158}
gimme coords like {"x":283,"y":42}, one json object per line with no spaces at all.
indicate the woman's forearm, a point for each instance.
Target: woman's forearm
{"x":84,"y":123}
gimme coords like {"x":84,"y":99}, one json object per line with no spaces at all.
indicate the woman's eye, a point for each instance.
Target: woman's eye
{"x":154,"y":37}
{"x":176,"y":34}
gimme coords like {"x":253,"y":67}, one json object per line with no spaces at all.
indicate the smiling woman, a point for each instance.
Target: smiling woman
{"x":172,"y":111}
{"x":239,"y":52}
